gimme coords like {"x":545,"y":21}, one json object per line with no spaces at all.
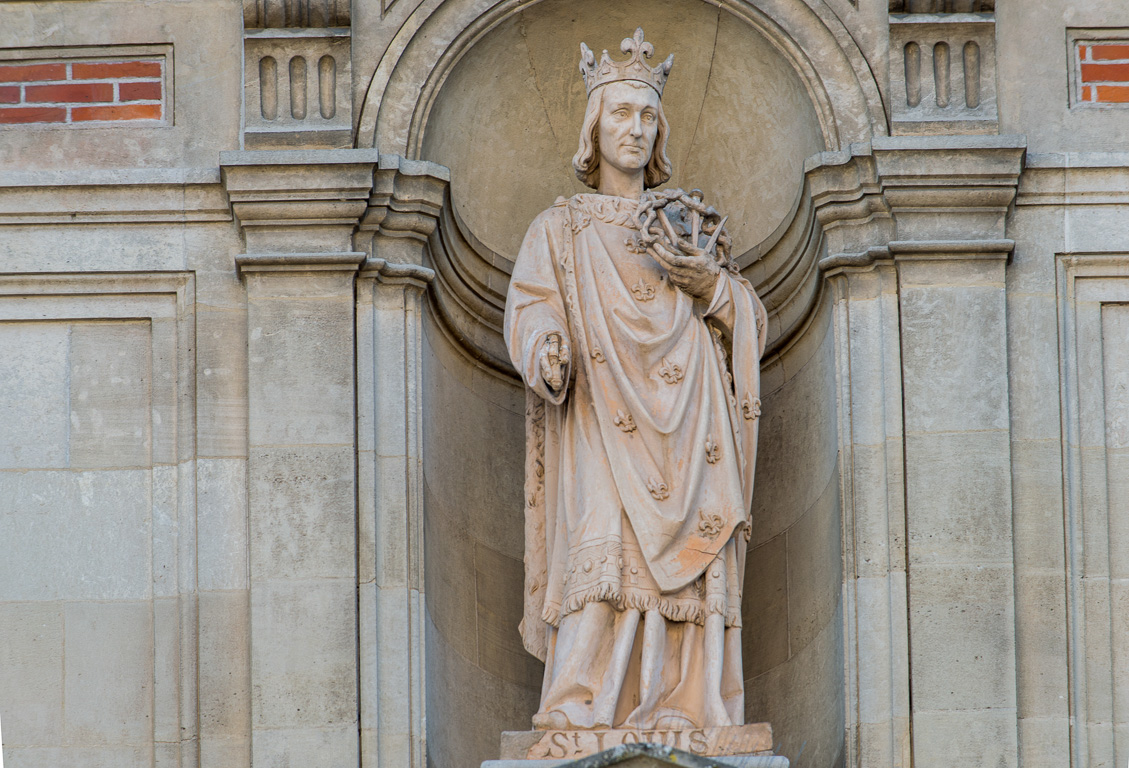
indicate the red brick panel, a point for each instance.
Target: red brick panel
{"x":1109,"y":52}
{"x":69,"y":93}
{"x":109,"y":69}
{"x":12,"y":115}
{"x":1104,"y":72}
{"x":25,"y":73}
{"x":1112,"y":94}
{"x":139,"y":91}
{"x":123,"y":112}
{"x":81,"y":91}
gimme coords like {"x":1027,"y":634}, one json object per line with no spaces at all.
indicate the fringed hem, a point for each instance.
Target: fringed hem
{"x":690,"y":611}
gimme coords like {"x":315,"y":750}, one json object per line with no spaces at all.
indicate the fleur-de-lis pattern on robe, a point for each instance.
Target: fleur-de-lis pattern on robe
{"x":648,"y":455}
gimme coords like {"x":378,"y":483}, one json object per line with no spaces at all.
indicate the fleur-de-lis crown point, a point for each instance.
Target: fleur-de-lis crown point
{"x":609,"y":71}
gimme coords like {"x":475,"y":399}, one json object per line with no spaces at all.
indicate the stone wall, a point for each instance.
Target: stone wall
{"x":261,"y":451}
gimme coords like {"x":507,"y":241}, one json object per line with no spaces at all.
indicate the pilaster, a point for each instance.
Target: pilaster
{"x":403,"y":211}
{"x":298,"y":211}
{"x":950,"y":198}
{"x":916,"y":253}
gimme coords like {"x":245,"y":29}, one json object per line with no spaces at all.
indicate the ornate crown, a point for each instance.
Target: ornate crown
{"x":634,"y":68}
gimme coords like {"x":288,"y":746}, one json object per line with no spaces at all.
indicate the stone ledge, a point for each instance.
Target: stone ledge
{"x":647,"y":755}
{"x":750,"y":739}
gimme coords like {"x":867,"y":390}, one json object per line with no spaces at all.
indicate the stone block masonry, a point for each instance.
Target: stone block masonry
{"x":76,"y":92}
{"x":1104,"y":73}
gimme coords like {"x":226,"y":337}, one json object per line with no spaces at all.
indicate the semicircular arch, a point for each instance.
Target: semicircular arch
{"x":438,"y":33}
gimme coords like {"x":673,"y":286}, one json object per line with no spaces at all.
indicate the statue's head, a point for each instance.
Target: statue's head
{"x":624,"y":124}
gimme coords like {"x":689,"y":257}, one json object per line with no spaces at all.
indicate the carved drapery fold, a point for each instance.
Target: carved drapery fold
{"x":281,"y":14}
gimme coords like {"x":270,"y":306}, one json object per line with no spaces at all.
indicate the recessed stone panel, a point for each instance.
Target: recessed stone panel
{"x":110,"y":374}
{"x":33,"y":395}
{"x":109,"y":673}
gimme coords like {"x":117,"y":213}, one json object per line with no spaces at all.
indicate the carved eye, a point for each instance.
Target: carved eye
{"x":649,"y":117}
{"x":620,"y":113}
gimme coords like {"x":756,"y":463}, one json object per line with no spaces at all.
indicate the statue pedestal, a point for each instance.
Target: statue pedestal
{"x":743,"y":746}
{"x":650,"y":752}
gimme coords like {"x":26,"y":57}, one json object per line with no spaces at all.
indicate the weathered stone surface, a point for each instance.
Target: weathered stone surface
{"x":754,"y":738}
{"x":643,"y":755}
{"x":105,"y":372}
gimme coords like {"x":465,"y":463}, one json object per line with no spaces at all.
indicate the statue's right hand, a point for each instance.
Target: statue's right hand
{"x":554,"y":359}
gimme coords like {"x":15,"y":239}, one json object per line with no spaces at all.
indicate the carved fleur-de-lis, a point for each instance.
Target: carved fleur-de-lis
{"x":634,"y":245}
{"x":751,"y":407}
{"x":671,"y":372}
{"x":713,"y":450}
{"x":597,"y":354}
{"x":643,"y":291}
{"x":659,"y":490}
{"x":709,"y":525}
{"x":624,"y":421}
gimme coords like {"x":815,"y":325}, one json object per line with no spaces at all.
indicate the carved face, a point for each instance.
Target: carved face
{"x":629,"y":122}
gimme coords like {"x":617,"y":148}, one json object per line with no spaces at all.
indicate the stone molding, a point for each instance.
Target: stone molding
{"x":916,"y":196}
{"x":298,"y":74}
{"x":299,"y":262}
{"x":432,"y":39}
{"x":298,"y":201}
{"x":853,"y":207}
{"x":405,"y":207}
{"x":1092,"y":291}
{"x":162,"y":307}
{"x":943,"y":74}
{"x":335,"y":209}
{"x":141,"y":196}
{"x":942,"y":6}
{"x":300,"y":14}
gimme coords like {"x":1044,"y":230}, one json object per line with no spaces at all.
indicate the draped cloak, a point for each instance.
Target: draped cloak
{"x":639,"y":472}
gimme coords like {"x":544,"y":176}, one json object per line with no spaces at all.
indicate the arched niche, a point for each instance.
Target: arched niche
{"x":506,"y":121}
{"x":491,"y":90}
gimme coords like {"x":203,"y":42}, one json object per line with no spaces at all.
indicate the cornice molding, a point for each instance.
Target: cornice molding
{"x":296,"y":14}
{"x":298,"y":201}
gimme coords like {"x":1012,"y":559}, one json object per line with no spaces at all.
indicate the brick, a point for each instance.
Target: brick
{"x":11,"y":115}
{"x":27,"y":73}
{"x":1082,"y":51}
{"x":117,"y":112}
{"x":1105,"y":73}
{"x":106,"y":69}
{"x":1088,"y":93}
{"x":1113,"y":94}
{"x":9,"y":94}
{"x":139,"y":92}
{"x":1108,"y":52}
{"x":66,"y":93}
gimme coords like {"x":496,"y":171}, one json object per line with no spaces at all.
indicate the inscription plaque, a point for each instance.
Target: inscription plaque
{"x":752,"y":739}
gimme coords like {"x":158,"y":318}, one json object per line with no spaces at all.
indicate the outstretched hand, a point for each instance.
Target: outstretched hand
{"x":694,"y":270}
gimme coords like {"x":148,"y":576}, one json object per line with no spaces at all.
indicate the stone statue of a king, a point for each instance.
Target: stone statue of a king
{"x":639,"y":344}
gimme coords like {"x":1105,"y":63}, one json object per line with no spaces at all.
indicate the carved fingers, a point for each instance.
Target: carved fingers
{"x":553,"y":361}
{"x":693,"y":270}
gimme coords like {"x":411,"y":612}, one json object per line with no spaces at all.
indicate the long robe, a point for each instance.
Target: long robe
{"x":639,"y":473}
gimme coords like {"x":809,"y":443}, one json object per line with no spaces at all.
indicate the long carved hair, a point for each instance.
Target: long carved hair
{"x":586,"y":161}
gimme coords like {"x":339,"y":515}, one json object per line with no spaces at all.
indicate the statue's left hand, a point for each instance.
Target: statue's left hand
{"x":694,"y":270}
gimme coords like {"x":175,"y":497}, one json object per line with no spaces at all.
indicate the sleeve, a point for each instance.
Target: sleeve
{"x":732,"y":290}
{"x":534,"y":305}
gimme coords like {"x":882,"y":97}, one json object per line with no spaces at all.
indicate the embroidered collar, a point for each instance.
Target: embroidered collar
{"x":608,"y":209}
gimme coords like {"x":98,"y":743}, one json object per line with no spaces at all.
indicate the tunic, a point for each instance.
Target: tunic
{"x":639,"y":472}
